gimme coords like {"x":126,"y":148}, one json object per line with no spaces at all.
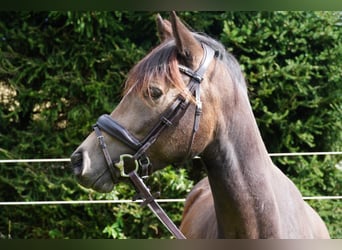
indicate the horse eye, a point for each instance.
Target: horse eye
{"x":155,"y":93}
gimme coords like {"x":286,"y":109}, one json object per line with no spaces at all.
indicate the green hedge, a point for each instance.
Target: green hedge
{"x":60,"y":70}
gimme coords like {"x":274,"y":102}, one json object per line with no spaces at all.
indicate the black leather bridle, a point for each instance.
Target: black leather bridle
{"x":170,"y":117}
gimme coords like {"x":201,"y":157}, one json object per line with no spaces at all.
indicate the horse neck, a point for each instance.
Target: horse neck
{"x":239,"y":169}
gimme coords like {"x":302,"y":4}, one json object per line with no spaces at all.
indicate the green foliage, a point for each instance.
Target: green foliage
{"x":44,"y":182}
{"x":50,"y":90}
{"x":60,"y":70}
{"x":288,"y":64}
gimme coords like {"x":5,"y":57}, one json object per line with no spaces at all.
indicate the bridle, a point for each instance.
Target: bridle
{"x":169,"y":117}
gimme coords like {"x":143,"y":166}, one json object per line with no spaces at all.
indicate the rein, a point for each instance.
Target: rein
{"x":140,"y":160}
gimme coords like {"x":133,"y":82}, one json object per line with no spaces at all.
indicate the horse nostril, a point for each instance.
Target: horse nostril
{"x":77,"y":162}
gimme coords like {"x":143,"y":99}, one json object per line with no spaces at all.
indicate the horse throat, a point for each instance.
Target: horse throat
{"x":239,"y":169}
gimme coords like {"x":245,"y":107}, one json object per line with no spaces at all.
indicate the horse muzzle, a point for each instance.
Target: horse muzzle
{"x":90,"y":174}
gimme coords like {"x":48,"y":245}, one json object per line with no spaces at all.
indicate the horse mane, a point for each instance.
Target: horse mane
{"x":161,"y":64}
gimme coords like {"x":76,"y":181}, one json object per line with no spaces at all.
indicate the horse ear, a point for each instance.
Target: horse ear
{"x":188,"y":47}
{"x":164,"y":28}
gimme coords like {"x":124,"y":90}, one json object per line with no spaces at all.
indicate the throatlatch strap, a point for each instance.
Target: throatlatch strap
{"x":209,"y":53}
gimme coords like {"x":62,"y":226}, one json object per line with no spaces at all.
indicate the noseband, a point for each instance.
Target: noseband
{"x":171,"y":116}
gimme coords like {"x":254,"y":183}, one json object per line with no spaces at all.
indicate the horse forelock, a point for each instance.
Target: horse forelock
{"x":160,"y":65}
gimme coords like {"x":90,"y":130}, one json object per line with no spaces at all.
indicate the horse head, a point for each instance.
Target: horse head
{"x":160,"y":119}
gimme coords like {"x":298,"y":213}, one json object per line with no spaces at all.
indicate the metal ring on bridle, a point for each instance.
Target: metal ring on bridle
{"x":121,"y":165}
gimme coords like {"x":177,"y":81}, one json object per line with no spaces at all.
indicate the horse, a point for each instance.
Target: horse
{"x":188,"y":97}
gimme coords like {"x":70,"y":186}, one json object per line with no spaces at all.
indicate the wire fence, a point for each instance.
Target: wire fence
{"x":80,"y":202}
{"x":68,"y":159}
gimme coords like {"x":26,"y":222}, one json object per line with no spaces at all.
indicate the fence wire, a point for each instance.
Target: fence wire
{"x":83,"y":202}
{"x":68,"y":159}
